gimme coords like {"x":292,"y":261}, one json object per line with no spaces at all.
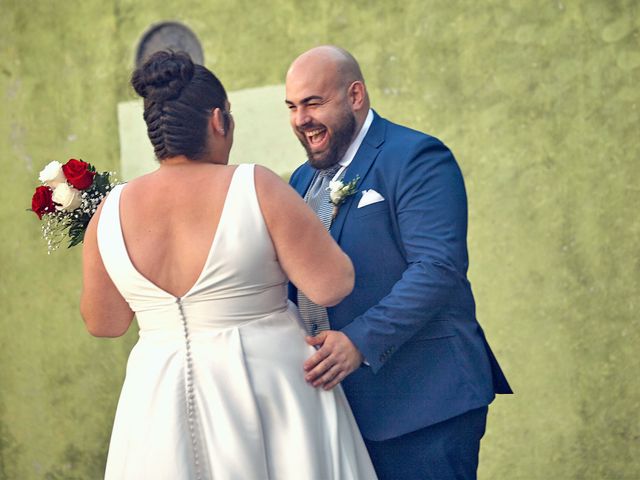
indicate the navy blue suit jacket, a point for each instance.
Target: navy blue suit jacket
{"x":412,"y":312}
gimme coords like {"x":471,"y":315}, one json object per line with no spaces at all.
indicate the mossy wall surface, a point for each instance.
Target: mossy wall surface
{"x":538,"y":100}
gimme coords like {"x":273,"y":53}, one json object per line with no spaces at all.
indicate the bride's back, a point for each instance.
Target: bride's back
{"x":169,"y":219}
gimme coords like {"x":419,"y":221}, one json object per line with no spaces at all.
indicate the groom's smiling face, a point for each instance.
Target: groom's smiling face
{"x":320,"y":114}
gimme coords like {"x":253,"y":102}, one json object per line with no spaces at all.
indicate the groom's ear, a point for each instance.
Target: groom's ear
{"x":218,"y":123}
{"x":357,"y":94}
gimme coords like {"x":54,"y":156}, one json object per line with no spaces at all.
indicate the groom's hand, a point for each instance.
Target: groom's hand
{"x":336,"y":358}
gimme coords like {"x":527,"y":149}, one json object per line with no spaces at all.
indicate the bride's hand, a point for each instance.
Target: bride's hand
{"x":336,"y":358}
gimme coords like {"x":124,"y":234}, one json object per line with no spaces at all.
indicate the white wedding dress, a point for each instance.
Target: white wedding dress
{"x":214,"y":388}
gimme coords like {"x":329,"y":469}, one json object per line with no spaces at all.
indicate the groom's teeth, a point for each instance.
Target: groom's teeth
{"x":314,"y":136}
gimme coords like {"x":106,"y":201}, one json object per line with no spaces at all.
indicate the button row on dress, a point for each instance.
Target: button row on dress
{"x":189,"y":391}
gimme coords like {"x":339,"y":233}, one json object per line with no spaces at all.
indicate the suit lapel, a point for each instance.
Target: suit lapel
{"x":303,"y":181}
{"x":359,"y":167}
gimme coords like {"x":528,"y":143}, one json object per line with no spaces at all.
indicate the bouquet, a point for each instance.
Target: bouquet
{"x":67,"y":199}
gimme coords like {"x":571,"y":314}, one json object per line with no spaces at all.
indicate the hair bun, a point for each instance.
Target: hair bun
{"x":163,"y":75}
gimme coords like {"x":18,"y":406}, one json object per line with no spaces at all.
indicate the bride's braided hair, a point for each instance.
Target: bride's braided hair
{"x":179,"y":97}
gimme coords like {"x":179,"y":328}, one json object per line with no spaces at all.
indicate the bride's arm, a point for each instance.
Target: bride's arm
{"x":309,"y":256}
{"x":105,"y":312}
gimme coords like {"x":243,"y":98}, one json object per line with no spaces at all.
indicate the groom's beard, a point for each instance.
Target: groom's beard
{"x":341,"y":138}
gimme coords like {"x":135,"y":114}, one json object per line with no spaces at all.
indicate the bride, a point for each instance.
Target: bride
{"x":201,"y":252}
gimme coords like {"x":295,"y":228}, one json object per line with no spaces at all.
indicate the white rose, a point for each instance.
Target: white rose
{"x":67,"y":197}
{"x":52,"y":175}
{"x":335,"y":187}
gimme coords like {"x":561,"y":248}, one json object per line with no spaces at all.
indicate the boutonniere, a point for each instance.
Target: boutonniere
{"x":339,"y":192}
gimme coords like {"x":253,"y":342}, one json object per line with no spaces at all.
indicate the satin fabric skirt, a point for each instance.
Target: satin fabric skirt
{"x":253,"y":416}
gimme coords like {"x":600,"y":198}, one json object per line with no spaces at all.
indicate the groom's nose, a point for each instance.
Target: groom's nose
{"x":301,"y":117}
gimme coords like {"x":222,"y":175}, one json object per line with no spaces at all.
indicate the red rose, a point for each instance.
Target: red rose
{"x":78,"y":173}
{"x":42,"y":201}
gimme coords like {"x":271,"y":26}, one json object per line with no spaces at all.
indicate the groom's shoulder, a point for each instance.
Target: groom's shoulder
{"x":297,"y":173}
{"x":397,"y":134}
{"x":407,"y":141}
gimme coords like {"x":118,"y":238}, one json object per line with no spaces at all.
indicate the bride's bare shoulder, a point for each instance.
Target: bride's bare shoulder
{"x":276,"y":196}
{"x":266,"y":179}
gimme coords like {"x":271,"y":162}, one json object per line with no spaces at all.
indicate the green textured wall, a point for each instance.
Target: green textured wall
{"x":538,"y":100}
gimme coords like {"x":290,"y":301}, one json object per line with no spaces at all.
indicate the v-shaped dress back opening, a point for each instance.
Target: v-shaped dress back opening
{"x":212,"y":244}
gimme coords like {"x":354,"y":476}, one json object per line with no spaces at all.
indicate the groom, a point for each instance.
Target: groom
{"x":412,"y":359}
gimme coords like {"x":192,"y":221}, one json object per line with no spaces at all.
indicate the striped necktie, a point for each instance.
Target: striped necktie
{"x":315,"y":316}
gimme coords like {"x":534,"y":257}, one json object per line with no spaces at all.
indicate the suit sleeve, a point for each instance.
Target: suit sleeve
{"x":431,"y":212}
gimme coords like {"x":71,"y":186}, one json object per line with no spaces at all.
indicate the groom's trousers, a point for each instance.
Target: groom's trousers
{"x":445,"y":451}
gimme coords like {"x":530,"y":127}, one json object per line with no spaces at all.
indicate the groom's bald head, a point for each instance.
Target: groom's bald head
{"x":328,"y":60}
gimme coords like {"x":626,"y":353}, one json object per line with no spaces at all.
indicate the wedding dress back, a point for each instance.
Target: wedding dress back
{"x":214,"y":387}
